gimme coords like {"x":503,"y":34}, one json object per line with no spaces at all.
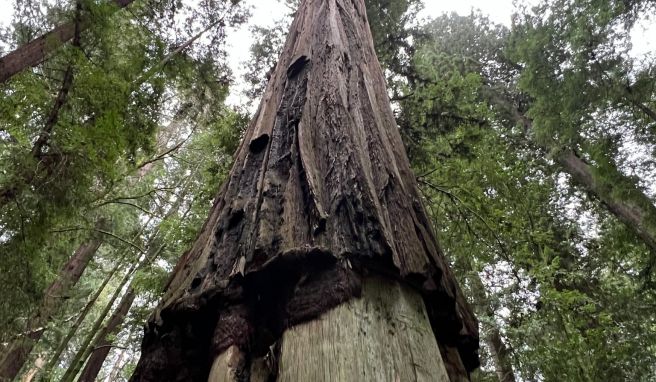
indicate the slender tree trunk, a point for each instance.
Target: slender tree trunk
{"x":95,"y":333}
{"x":118,"y":366}
{"x":37,"y":50}
{"x":104,"y":345}
{"x":38,"y":365}
{"x":63,"y":344}
{"x":318,"y":230}
{"x":17,"y":353}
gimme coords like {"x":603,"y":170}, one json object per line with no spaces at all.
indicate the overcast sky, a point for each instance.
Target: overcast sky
{"x":266,"y":12}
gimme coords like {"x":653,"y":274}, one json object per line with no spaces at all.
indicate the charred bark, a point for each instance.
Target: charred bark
{"x":17,"y":353}
{"x":321,"y":196}
{"x":37,"y":50}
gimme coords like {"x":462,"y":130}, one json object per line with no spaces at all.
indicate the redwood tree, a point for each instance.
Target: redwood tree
{"x":317,"y":261}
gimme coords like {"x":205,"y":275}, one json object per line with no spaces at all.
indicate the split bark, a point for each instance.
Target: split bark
{"x":37,"y":50}
{"x":321,"y":195}
{"x":17,"y":353}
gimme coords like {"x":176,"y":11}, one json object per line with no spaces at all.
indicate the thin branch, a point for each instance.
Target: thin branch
{"x":102,"y":232}
{"x":126,"y":204}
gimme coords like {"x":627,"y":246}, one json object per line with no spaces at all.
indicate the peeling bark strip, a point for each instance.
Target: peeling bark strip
{"x":321,"y":194}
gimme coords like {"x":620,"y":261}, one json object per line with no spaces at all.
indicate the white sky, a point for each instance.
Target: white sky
{"x":266,"y":12}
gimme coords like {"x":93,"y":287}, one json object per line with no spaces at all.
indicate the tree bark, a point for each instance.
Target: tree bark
{"x":320,"y":198}
{"x":36,"y":51}
{"x":16,"y":354}
{"x":103,"y":346}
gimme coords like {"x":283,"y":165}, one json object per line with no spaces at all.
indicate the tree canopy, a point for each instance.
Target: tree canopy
{"x":532,"y":143}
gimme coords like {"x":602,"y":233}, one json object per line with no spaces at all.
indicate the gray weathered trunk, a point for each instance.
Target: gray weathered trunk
{"x":320,"y":198}
{"x":618,"y":194}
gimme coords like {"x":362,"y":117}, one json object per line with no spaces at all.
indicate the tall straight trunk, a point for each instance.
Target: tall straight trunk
{"x":618,"y":193}
{"x":118,"y":367}
{"x":501,"y":356}
{"x":37,"y":50}
{"x":96,"y":331}
{"x":320,"y":204}
{"x":96,"y":335}
{"x":18,"y":351}
{"x":104,"y":345}
{"x":38,"y":365}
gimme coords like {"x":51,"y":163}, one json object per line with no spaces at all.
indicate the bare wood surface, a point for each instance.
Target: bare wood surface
{"x":382,"y":336}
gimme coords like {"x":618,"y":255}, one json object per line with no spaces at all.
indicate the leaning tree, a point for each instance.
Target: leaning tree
{"x":317,"y":262}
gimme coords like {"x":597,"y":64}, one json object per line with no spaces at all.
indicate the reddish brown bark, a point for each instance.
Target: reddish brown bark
{"x":37,"y":50}
{"x":104,"y":345}
{"x":16,"y":354}
{"x":321,"y":194}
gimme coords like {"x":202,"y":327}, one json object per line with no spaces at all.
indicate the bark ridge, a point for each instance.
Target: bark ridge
{"x":320,"y":195}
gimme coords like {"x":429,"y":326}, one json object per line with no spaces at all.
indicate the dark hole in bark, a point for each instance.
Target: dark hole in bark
{"x":258,"y":144}
{"x":296,"y":67}
{"x":235,"y":218}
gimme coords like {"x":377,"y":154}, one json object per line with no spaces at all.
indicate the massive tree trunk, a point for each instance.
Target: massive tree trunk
{"x":15,"y":355}
{"x":36,"y":51}
{"x":320,"y":206}
{"x":102,"y":347}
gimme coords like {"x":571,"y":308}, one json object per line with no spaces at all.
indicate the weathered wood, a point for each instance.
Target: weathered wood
{"x":383,"y":336}
{"x":321,"y":194}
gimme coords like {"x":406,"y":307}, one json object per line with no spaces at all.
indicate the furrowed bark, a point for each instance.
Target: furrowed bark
{"x":17,"y":353}
{"x":103,"y":346}
{"x":37,"y":50}
{"x":321,"y":197}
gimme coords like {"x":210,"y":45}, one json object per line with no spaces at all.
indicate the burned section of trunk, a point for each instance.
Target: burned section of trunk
{"x":17,"y":352}
{"x":321,"y":195}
